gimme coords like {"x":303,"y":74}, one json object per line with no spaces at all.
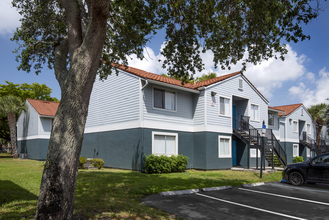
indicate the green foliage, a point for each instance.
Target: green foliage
{"x":204,"y":77}
{"x":82,"y":161}
{"x":298,"y":159}
{"x":27,"y":91}
{"x":191,"y":27}
{"x":11,"y":104}
{"x":164,"y":164}
{"x":99,"y":163}
{"x":316,"y":112}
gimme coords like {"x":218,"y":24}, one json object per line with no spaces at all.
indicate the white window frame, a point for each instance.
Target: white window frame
{"x":229,"y":155}
{"x":240,"y":84}
{"x":293,"y":146}
{"x":295,"y":131}
{"x":166,"y":90}
{"x":309,"y":131}
{"x":308,"y":152}
{"x":253,"y":153}
{"x":273,"y":120}
{"x":229,"y":106}
{"x":165,"y":134}
{"x":251,"y":119}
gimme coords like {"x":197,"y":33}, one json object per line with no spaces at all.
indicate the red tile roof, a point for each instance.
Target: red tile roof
{"x":156,"y":77}
{"x":45,"y":108}
{"x":287,"y":108}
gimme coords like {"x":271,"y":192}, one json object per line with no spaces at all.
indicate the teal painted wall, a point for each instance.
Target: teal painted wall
{"x":36,"y":149}
{"x":287,"y":146}
{"x":119,"y":149}
{"x":125,"y":148}
{"x":212,"y":160}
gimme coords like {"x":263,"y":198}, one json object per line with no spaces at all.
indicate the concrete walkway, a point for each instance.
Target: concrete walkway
{"x":253,"y":169}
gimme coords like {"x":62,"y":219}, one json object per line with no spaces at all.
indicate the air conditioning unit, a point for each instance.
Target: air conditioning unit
{"x":23,"y":156}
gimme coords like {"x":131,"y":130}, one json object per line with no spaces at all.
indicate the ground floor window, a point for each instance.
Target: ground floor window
{"x":295,"y":150}
{"x":224,"y":148}
{"x":164,"y":143}
{"x":253,"y":153}
{"x":308,"y":152}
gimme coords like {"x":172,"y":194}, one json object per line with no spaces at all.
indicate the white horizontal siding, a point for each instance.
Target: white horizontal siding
{"x":182,"y":115}
{"x":27,"y":124}
{"x":228,"y":89}
{"x":296,"y":116}
{"x":114,"y":100}
{"x":198,"y":107}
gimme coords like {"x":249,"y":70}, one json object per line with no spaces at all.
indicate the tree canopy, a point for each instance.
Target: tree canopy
{"x":228,"y":28}
{"x":11,"y":106}
{"x":204,"y":77}
{"x":27,"y":91}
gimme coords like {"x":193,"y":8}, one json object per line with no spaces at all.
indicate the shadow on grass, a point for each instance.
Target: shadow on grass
{"x":117,"y":195}
{"x":15,"y":201}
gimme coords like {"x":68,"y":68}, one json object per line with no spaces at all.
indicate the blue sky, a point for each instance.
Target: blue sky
{"x":302,"y":77}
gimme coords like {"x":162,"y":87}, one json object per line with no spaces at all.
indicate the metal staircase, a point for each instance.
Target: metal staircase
{"x":311,"y":144}
{"x":273,"y":152}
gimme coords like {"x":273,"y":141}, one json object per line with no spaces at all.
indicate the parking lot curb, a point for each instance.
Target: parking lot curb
{"x":180,"y":192}
{"x":216,"y":188}
{"x":253,"y":184}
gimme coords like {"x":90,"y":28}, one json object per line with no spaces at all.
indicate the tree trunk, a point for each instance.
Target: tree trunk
{"x":58,"y":183}
{"x":12,"y":128}
{"x":318,"y":137}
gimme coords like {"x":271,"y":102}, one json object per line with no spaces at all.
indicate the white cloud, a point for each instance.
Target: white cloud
{"x":267,"y":76}
{"x":310,"y":76}
{"x":318,"y":95}
{"x":9,"y":17}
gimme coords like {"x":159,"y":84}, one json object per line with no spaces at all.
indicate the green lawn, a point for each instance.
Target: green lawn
{"x":106,"y":193}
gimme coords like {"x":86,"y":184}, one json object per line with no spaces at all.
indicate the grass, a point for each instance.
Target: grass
{"x":107,"y":193}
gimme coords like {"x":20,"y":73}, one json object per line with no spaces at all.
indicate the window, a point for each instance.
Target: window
{"x":295,"y":150}
{"x":164,"y":143}
{"x":164,"y":99}
{"x":224,"y":149}
{"x":253,"y":153}
{"x":308,"y":152}
{"x":321,"y":160}
{"x":240,"y":84}
{"x":308,"y":129}
{"x":254,"y":112}
{"x":295,"y":126}
{"x":270,"y":119}
{"x":224,"y":106}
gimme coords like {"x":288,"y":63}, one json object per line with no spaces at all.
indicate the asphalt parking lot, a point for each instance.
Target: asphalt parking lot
{"x":269,"y":201}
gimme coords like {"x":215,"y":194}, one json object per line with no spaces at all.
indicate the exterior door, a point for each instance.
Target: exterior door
{"x":234,"y":117}
{"x":234,"y":154}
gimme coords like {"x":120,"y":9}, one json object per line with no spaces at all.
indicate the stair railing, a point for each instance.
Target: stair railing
{"x":244,"y":126}
{"x":307,"y":141}
{"x":270,"y":139}
{"x":324,"y":148}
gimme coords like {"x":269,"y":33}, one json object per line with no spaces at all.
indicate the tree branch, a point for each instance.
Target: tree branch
{"x":60,"y":61}
{"x":73,"y":17}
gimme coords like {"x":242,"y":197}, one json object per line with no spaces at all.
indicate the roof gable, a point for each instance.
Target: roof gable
{"x":288,"y":109}
{"x":45,"y":108}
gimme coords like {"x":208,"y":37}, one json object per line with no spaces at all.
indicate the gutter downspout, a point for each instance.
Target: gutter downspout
{"x":146,"y":83}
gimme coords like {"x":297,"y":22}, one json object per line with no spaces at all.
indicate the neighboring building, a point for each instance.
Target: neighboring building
{"x":34,"y":127}
{"x":291,"y":126}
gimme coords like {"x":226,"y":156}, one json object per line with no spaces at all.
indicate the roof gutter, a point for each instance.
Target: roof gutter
{"x":275,"y":110}
{"x":173,"y":86}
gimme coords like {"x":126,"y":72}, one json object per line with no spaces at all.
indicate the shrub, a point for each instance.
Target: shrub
{"x":99,"y":163}
{"x":298,"y":159}
{"x":82,"y":162}
{"x":164,"y":164}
